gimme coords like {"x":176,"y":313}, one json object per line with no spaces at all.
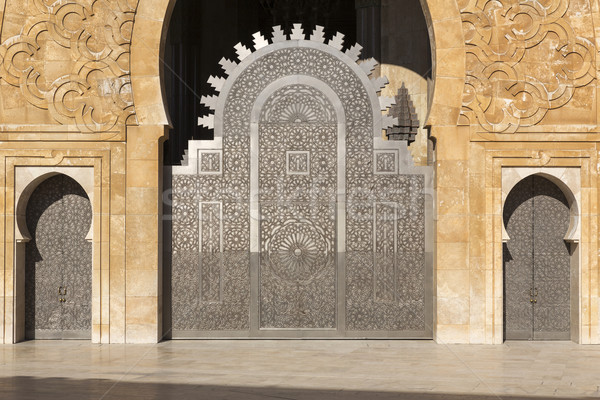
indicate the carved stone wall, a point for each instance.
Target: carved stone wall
{"x":529,"y":101}
{"x":548,"y":53}
{"x":66,"y":99}
{"x":525,"y":59}
{"x":66,"y":63}
{"x":298,"y":181}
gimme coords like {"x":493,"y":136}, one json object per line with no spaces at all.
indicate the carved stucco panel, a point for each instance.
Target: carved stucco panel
{"x":525,"y":59}
{"x":72,"y":59}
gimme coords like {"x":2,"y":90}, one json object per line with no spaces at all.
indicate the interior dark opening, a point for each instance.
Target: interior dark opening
{"x":202,"y":32}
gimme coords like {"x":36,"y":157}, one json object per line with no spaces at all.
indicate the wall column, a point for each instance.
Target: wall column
{"x":144,"y":234}
{"x":452,"y":235}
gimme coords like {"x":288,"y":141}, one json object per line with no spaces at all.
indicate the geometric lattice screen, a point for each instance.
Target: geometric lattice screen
{"x":298,"y":220}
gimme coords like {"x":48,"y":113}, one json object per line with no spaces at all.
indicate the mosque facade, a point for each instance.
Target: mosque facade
{"x":299,"y":169}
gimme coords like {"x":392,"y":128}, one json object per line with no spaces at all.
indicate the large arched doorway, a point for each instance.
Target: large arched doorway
{"x":299,"y":220}
{"x":58,"y":261}
{"x":537,"y":262}
{"x":152,"y":113}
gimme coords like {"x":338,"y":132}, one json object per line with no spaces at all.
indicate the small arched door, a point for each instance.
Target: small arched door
{"x":537,"y":262}
{"x":58,"y":261}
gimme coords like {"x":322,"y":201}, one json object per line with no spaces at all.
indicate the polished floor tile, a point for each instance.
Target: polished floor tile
{"x":352,"y":370}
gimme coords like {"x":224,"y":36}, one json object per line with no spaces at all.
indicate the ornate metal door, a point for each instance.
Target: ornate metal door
{"x":58,"y":262}
{"x":298,"y":187}
{"x":298,"y":220}
{"x":536,"y":262}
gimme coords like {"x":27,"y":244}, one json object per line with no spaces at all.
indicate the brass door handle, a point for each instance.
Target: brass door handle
{"x":531,"y":295}
{"x":533,"y":292}
{"x":62,"y":291}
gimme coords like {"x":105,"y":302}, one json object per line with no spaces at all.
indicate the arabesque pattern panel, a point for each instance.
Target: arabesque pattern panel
{"x":323,"y":224}
{"x":298,"y":188}
{"x":77,"y":61}
{"x":525,"y":59}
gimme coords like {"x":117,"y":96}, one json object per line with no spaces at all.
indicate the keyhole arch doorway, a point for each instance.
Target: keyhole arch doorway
{"x":58,"y":261}
{"x":540,"y":260}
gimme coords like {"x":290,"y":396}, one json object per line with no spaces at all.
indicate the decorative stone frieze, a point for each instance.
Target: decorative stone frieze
{"x":523,"y":59}
{"x":72,"y":59}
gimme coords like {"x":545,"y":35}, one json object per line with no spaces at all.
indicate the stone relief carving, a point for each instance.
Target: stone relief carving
{"x":523,"y":59}
{"x":312,"y":140}
{"x":90,"y":39}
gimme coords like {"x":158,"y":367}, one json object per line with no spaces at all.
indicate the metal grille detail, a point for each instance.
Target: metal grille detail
{"x":323,"y":225}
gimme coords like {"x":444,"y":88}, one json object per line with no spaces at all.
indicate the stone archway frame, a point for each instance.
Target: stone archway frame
{"x":522,"y":163}
{"x":143,"y":141}
{"x":23,"y":173}
{"x":148,"y":39}
{"x":27,"y":179}
{"x":568,"y":180}
{"x":149,"y":35}
{"x":445,"y":28}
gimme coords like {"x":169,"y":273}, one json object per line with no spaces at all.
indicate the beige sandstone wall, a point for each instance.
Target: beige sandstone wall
{"x":66,"y":99}
{"x":530,"y":100}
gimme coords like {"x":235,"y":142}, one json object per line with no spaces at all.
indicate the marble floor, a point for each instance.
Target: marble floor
{"x":252,"y":370}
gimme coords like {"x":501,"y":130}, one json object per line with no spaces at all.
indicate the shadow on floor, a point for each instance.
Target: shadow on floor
{"x":26,"y":388}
